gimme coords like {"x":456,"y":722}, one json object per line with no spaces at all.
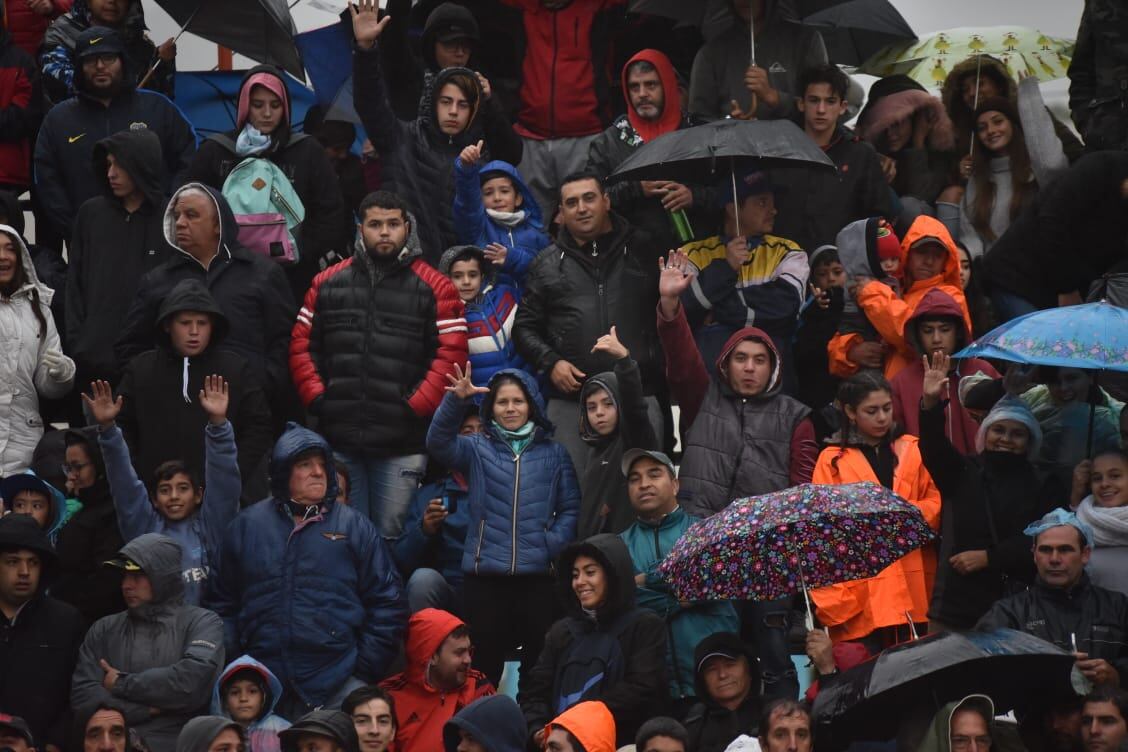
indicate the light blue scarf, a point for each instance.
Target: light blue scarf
{"x":251,"y":142}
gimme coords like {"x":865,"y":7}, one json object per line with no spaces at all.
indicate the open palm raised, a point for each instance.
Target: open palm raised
{"x":367,"y":24}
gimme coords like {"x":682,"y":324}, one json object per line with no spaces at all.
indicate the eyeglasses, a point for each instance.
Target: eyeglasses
{"x":74,"y":467}
{"x":964,"y":743}
{"x":106,"y":60}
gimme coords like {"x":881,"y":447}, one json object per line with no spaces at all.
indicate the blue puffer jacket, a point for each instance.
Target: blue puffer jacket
{"x":523,"y":508}
{"x":474,"y":226}
{"x":316,"y":599}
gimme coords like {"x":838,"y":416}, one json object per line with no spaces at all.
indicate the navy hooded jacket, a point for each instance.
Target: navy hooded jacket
{"x":523,"y":508}
{"x":318,"y":600}
{"x":473,"y":225}
{"x":495,"y":722}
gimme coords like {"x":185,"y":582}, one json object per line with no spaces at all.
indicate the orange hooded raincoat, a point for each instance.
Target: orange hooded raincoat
{"x":851,"y":610}
{"x":889,"y":314}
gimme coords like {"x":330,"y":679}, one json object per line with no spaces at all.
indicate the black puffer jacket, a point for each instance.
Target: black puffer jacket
{"x":417,"y":158}
{"x":111,"y":250}
{"x":641,"y":690}
{"x":1096,"y":617}
{"x":574,"y":295}
{"x":251,"y":290}
{"x":1003,"y":484}
{"x":327,"y":225}
{"x":371,"y":349}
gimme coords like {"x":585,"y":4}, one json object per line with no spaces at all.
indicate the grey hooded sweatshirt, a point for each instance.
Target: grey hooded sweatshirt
{"x":199,"y":733}
{"x":169,"y":654}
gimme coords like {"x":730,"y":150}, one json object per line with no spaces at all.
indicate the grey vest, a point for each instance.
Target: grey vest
{"x":735,"y":448}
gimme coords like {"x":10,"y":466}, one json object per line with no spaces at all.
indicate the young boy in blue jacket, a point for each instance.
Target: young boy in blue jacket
{"x":491,"y":301}
{"x":194,"y":516}
{"x":496,"y":211}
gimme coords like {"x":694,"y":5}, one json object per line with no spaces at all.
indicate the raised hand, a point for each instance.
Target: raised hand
{"x":460,"y":384}
{"x":935,"y":378}
{"x":610,"y":344}
{"x":102,"y":405}
{"x":496,"y":253}
{"x":214,"y":399}
{"x":675,"y":275}
{"x":367,"y":24}
{"x":472,"y":154}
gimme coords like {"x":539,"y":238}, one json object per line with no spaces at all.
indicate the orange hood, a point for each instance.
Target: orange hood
{"x":927,"y":227}
{"x":591,"y":723}
{"x":426,"y":630}
{"x":670,"y":118}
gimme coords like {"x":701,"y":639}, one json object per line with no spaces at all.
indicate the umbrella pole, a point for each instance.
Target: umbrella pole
{"x":810,"y":621}
{"x":1092,"y":416}
{"x":736,"y":209}
{"x":752,"y":41}
{"x":978,"y":67}
{"x":175,"y":39}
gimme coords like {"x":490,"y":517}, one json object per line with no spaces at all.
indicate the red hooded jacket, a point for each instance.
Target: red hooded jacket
{"x":423,"y":710}
{"x":671,"y":115}
{"x":959,"y":426}
{"x":565,"y":77}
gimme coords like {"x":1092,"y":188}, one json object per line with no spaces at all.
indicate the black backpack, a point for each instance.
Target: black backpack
{"x":592,"y":662}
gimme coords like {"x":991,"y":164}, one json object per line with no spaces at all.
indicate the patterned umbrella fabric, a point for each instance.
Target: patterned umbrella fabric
{"x":771,"y":546}
{"x":930,"y":58}
{"x":1092,"y":335}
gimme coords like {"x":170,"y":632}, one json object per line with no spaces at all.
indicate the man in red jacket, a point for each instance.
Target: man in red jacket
{"x":438,"y":669}
{"x":564,"y":89}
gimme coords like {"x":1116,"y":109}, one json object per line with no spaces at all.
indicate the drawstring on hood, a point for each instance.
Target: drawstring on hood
{"x":189,"y":295}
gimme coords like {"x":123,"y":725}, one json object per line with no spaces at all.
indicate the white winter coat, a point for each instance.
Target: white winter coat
{"x":23,"y":376}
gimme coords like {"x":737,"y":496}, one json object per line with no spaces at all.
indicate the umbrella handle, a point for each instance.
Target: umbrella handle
{"x":175,"y":39}
{"x":809,"y":619}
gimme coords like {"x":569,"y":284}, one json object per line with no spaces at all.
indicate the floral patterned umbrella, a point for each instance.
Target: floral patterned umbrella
{"x":1092,"y":335}
{"x":930,"y":58}
{"x":771,"y":546}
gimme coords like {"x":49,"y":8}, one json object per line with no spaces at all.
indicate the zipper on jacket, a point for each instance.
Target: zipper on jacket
{"x":516,"y":485}
{"x":478,"y":551}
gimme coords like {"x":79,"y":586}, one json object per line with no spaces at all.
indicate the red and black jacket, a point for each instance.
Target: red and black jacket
{"x":371,"y":350}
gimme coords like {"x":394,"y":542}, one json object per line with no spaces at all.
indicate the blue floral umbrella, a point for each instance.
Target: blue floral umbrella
{"x":1092,"y":336}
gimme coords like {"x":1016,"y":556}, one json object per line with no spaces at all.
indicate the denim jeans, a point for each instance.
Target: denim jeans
{"x":383,"y":488}
{"x":770,"y":622}
{"x":1010,"y":306}
{"x":427,"y":588}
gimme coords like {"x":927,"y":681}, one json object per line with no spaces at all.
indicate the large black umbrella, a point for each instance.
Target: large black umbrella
{"x":853,"y":30}
{"x":705,"y":153}
{"x":1013,"y":668}
{"x":259,"y":29}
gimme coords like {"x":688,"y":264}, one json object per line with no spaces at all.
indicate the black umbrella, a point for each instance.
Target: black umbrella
{"x":853,"y":30}
{"x":1013,"y":668}
{"x":259,"y":29}
{"x":705,"y":153}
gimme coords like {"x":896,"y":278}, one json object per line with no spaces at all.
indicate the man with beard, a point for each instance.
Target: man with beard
{"x":438,"y":670}
{"x":104,"y":104}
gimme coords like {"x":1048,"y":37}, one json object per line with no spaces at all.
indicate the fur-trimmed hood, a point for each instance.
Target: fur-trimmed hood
{"x":895,"y":98}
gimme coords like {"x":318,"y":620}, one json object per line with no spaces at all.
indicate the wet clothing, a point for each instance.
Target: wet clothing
{"x":524,"y":236}
{"x":1092,"y":615}
{"x":1098,"y":75}
{"x":649,"y":543}
{"x":199,"y":534}
{"x":170,"y":654}
{"x":161,"y":417}
{"x":633,"y":685}
{"x":422,"y":710}
{"x":711,"y":726}
{"x":251,"y":291}
{"x":734,"y":446}
{"x":417,"y":158}
{"x":312,"y":592}
{"x":989,"y":499}
{"x":605,"y":506}
{"x":262,"y":733}
{"x":374,"y":387}
{"x":854,"y":609}
{"x":328,"y":226}
{"x":575,"y":292}
{"x":959,"y":426}
{"x":111,"y":249}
